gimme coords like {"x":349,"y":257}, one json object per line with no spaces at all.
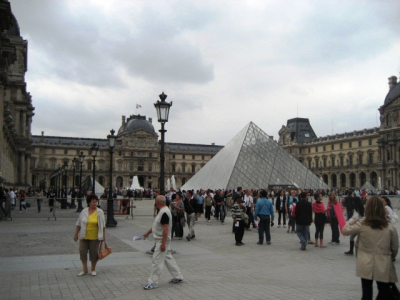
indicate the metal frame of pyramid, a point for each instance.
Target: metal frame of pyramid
{"x":253,"y":160}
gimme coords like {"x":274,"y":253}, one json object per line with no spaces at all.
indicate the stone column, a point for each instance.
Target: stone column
{"x":17,"y":119}
{"x":23,"y":125}
{"x":21,"y":167}
{"x":28,"y":177}
{"x":30,"y":127}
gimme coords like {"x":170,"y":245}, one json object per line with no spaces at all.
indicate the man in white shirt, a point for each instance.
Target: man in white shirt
{"x":248,"y":202}
{"x":162,"y":254}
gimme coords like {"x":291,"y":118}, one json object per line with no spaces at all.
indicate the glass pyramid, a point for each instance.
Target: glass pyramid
{"x":253,"y":160}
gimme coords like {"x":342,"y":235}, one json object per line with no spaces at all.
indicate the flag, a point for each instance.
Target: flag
{"x":138,"y":106}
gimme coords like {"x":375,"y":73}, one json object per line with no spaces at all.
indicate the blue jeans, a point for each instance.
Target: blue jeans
{"x":263,"y":226}
{"x":302,"y":232}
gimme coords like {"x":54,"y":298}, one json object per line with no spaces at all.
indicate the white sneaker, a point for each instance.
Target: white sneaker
{"x":279,"y":226}
{"x":284,"y":226}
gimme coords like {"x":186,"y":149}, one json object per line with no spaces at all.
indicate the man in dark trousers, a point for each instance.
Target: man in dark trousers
{"x":280,"y":205}
{"x":303,"y":217}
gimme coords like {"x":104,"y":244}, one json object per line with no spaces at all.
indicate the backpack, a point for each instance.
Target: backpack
{"x":293,"y":210}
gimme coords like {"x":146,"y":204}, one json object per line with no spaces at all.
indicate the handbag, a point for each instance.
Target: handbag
{"x":328,"y":218}
{"x":244,"y":216}
{"x":180,"y":213}
{"x":105,"y":252}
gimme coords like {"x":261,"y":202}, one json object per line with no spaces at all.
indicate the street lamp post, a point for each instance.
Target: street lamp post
{"x":64,"y":169}
{"x":73,"y":195}
{"x":59,"y":183}
{"x":162,"y":108}
{"x":94,"y":150}
{"x":110,"y":202}
{"x":81,"y":159}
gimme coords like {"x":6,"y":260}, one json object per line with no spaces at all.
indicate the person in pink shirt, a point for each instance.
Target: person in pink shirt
{"x":319,"y":219}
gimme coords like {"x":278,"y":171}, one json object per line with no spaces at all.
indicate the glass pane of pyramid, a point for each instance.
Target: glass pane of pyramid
{"x":253,"y":160}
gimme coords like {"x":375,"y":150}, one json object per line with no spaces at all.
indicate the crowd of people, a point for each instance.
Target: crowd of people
{"x":368,"y":222}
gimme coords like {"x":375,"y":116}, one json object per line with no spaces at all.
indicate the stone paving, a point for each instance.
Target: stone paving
{"x":39,"y":260}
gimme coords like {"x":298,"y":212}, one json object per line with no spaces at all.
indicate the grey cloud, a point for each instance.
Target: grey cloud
{"x":338,"y":30}
{"x":153,"y":50}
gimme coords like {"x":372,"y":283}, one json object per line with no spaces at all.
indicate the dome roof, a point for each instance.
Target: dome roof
{"x":14,"y":29}
{"x":137,"y":123}
{"x":393,"y":93}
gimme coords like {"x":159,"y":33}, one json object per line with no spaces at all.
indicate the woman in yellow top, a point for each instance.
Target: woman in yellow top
{"x":90,"y":230}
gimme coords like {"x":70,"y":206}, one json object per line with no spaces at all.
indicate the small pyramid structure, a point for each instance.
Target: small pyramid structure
{"x":253,"y":160}
{"x":369,"y":187}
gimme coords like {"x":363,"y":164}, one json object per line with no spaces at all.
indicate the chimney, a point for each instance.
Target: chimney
{"x":213,"y":144}
{"x":151,"y":120}
{"x":42,"y":133}
{"x":123,"y":120}
{"x":392,"y":82}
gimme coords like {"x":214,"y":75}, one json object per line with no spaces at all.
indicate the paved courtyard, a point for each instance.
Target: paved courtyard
{"x":39,"y":260}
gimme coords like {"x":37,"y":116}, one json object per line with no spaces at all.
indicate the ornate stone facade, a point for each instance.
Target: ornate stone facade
{"x":16,"y":110}
{"x":350,"y":159}
{"x":136,"y":153}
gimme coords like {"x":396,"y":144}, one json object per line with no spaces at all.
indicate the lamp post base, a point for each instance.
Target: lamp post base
{"x":111,"y":222}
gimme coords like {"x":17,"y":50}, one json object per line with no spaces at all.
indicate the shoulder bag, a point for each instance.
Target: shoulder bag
{"x":104,"y":252}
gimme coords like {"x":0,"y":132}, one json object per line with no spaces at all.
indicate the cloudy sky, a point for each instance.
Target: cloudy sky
{"x":222,"y":63}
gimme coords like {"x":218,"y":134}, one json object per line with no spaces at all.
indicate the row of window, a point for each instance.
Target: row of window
{"x":183,"y":156}
{"x":324,"y":147}
{"x":340,"y":162}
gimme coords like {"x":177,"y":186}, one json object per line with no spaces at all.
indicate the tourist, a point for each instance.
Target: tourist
{"x":290,"y":200}
{"x":90,"y":230}
{"x":264,"y":211}
{"x":248,"y":202}
{"x":280,"y":205}
{"x":292,"y":216}
{"x":162,"y":254}
{"x":22,"y":203}
{"x":39,"y":199}
{"x":357,"y":215}
{"x":178,"y":215}
{"x":52,"y":197}
{"x":377,"y":245}
{"x":190,"y":204}
{"x":236,"y":194}
{"x":348,"y":203}
{"x":335,"y":211}
{"x":238,"y":223}
{"x":220,"y":209}
{"x":303,"y":214}
{"x":2,"y":201}
{"x":12,"y":198}
{"x":200,"y":200}
{"x":319,"y":219}
{"x":388,"y":206}
{"x":208,"y":202}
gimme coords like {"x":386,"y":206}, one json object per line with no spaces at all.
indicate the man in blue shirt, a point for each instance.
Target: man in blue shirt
{"x":265,"y":212}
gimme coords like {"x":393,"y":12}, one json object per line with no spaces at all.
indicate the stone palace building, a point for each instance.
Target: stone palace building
{"x":16,"y":110}
{"x":136,"y":153}
{"x":350,"y":159}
